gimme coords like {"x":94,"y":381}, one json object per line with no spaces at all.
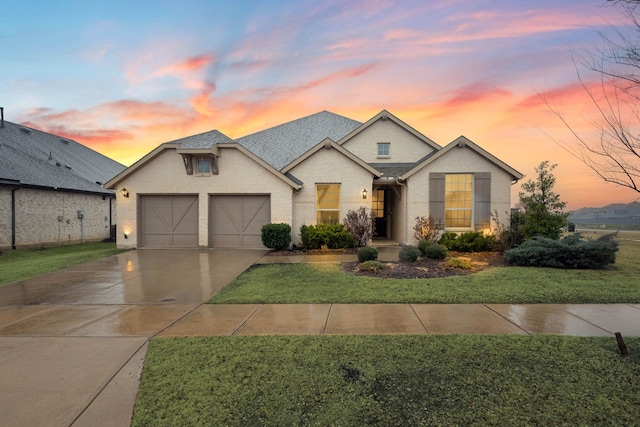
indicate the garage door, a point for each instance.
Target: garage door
{"x":169,"y":221}
{"x":236,"y":220}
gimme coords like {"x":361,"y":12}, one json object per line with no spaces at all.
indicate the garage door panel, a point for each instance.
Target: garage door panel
{"x":169,"y":221}
{"x":237,"y":220}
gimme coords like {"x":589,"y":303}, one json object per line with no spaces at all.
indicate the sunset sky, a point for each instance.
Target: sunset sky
{"x":125,"y":76}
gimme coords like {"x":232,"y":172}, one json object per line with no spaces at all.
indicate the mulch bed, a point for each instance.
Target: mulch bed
{"x":423,"y":268}
{"x":429,"y":268}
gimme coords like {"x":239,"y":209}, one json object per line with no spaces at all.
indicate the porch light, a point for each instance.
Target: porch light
{"x":364,"y":193}
{"x":125,"y":192}
{"x":126,"y":236}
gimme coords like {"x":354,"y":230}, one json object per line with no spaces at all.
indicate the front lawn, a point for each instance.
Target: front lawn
{"x":327,"y":283}
{"x":20,"y":264}
{"x":389,"y":380}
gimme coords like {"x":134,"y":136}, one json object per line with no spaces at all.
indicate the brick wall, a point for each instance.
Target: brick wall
{"x":47,"y":217}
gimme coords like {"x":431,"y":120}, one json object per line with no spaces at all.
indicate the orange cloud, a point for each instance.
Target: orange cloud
{"x":194,"y":63}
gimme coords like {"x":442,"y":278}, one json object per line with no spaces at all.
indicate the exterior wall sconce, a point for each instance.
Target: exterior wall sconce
{"x":125,"y":192}
{"x":364,"y":193}
{"x":126,"y":236}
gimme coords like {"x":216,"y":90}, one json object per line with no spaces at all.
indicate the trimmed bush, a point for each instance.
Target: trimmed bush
{"x":276,"y":236}
{"x":423,"y":245}
{"x":367,"y":254}
{"x":471,"y":241}
{"x":326,"y":236}
{"x":372,"y":265}
{"x":360,"y":225}
{"x":570,"y":252}
{"x":409,"y":254}
{"x":435,"y":251}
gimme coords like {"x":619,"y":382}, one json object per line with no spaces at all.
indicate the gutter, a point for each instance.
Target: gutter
{"x":13,"y":216}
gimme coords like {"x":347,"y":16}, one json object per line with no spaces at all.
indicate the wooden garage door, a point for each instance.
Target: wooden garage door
{"x":236,"y":220}
{"x":169,"y":221}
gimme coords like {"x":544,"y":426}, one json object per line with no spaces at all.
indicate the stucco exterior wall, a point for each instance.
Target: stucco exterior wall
{"x":324,"y":167}
{"x":458,"y":160}
{"x":165,"y":174}
{"x":404,"y":147}
{"x":49,"y":217}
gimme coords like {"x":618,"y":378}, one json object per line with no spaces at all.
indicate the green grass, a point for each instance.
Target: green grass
{"x":389,"y":380}
{"x":16,"y":265}
{"x":327,"y":283}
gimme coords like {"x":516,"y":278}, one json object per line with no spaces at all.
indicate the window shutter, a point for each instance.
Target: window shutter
{"x":482,"y":200}
{"x":436,"y":196}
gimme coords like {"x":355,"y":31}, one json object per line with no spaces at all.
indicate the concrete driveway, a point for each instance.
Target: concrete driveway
{"x":72,"y":342}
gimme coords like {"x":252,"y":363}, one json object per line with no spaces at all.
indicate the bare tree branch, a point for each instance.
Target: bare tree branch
{"x":612,"y":150}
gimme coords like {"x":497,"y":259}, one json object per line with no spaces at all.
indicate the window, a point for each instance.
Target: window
{"x":327,"y":203}
{"x":377,"y":203}
{"x":458,"y":201}
{"x":203,"y":167}
{"x":383,"y":149}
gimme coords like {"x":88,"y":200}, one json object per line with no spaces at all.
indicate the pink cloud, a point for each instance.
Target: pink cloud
{"x":194,"y":63}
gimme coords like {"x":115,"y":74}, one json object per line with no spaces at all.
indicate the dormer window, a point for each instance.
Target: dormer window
{"x":383,"y":149}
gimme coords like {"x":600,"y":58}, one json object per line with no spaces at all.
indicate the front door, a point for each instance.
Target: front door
{"x":378,"y":211}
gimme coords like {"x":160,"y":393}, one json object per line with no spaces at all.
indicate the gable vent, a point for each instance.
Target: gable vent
{"x":26,"y":130}
{"x":64,"y":141}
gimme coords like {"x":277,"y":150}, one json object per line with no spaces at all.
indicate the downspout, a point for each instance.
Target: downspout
{"x":13,"y":217}
{"x":406,"y":210}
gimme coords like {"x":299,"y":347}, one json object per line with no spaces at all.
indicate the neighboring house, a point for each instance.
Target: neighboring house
{"x":208,"y":190}
{"x":51,"y":189}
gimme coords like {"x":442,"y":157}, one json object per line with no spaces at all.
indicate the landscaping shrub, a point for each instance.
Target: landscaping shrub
{"x":569,"y":252}
{"x":458,"y":263}
{"x":360,"y":225}
{"x":326,"y":236}
{"x":435,"y":251}
{"x":471,"y":241}
{"x":372,"y":265}
{"x":409,"y":254}
{"x":427,"y":228}
{"x":276,"y":236}
{"x":423,"y":245}
{"x":510,"y":236}
{"x":367,"y":254}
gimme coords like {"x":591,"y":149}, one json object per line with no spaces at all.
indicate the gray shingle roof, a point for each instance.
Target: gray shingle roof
{"x":392,"y":169}
{"x":45,"y":160}
{"x":282,"y":144}
{"x":203,"y":141}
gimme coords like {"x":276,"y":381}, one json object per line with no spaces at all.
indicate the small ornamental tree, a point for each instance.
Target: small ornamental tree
{"x":360,"y":225}
{"x":427,"y":228}
{"x":543,"y":214}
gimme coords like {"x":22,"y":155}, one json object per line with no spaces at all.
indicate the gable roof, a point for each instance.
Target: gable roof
{"x":385,"y":115}
{"x":283,"y":144}
{"x":329,"y":144}
{"x":184,"y":148}
{"x":462,"y":142}
{"x":41,"y":159}
{"x":202,"y":141}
